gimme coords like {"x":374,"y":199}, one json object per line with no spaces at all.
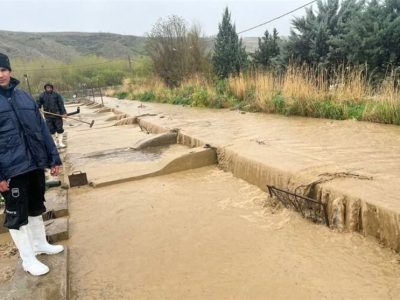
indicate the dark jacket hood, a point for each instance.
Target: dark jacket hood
{"x":8,"y":91}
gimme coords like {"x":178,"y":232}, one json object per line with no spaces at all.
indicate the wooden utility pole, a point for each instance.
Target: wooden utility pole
{"x":130,"y":63}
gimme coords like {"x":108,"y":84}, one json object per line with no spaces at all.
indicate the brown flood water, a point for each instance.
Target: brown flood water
{"x":359,"y":161}
{"x":203,"y":234}
{"x":301,"y":146}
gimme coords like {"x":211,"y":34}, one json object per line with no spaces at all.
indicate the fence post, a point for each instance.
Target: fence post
{"x":27,"y":82}
{"x":94,"y":99}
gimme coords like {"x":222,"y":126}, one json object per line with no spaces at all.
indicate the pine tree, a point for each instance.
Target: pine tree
{"x":352,"y":32}
{"x":229,"y":56}
{"x":341,"y":45}
{"x":297,"y":49}
{"x":309,"y":41}
{"x":391,"y":33}
{"x":268,"y":49}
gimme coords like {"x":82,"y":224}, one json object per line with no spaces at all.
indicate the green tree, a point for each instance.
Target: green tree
{"x":229,"y":55}
{"x":310,"y":38}
{"x":391,"y":33}
{"x":352,"y":32}
{"x":268,"y":49}
{"x":341,"y":45}
{"x":376,"y":32}
{"x":366,"y":32}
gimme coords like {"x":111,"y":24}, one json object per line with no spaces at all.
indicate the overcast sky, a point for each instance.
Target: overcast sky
{"x":136,"y":17}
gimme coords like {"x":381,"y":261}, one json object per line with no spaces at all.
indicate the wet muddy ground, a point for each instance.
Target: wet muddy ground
{"x":8,"y":258}
{"x":204,"y":234}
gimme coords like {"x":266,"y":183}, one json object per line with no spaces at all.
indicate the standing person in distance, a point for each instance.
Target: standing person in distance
{"x":52,"y":102}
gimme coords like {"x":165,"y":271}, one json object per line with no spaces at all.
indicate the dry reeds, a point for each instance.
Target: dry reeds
{"x":302,"y":90}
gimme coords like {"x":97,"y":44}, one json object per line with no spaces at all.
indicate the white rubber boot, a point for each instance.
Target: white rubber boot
{"x":60,"y":140}
{"x":37,"y":233}
{"x":29,"y":261}
{"x":55,"y":139}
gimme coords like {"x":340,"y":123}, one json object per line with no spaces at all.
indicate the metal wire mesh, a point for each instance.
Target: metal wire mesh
{"x":309,"y":208}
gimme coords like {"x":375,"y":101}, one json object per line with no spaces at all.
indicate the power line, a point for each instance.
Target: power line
{"x":274,"y":19}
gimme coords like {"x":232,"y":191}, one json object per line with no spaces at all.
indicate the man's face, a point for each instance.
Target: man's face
{"x":5,"y":77}
{"x":49,"y":89}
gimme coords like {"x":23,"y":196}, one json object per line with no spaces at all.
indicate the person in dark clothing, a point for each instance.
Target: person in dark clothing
{"x":52,"y":102}
{"x":26,"y":149}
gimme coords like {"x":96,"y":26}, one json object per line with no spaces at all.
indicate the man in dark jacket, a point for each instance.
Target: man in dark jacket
{"x":53,"y":103}
{"x":26,"y":149}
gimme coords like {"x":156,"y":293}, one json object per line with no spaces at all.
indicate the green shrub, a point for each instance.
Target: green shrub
{"x":180,"y":100}
{"x":200,"y":98}
{"x":279,"y":104}
{"x":355,"y":110}
{"x":147,"y":96}
{"x":165,"y":96}
{"x":218,"y":101}
{"x":327,"y":109}
{"x":221,"y":86}
{"x":121,"y":95}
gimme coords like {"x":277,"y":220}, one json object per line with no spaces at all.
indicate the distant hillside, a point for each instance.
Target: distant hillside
{"x":66,"y":45}
{"x":63,"y":46}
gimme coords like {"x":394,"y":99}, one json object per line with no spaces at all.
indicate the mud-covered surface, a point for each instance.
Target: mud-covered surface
{"x":352,"y":167}
{"x":8,"y":258}
{"x":204,"y":234}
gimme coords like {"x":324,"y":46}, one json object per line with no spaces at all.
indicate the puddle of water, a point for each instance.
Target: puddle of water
{"x":125,"y":154}
{"x":123,"y":162}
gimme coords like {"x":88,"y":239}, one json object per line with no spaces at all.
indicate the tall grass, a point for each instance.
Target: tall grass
{"x":345,"y":93}
{"x":305,"y":91}
{"x":256,"y":90}
{"x":88,"y":70}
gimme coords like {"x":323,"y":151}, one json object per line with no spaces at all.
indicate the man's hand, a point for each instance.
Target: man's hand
{"x":4,"y":187}
{"x":55,"y":170}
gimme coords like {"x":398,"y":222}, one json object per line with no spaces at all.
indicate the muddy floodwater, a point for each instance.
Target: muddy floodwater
{"x":204,"y":234}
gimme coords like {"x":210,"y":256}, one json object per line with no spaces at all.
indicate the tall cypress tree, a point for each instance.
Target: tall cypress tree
{"x":268,"y":49}
{"x":229,"y":56}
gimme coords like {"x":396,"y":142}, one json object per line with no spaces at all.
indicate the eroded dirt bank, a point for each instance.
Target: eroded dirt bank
{"x":360,"y":159}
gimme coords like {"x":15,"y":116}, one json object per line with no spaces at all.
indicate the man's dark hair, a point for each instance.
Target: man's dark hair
{"x":48,"y":84}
